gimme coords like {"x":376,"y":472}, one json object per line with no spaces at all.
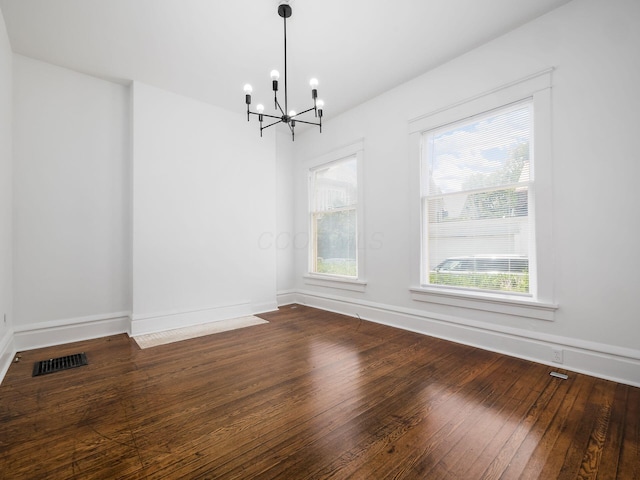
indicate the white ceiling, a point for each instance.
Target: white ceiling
{"x":208,"y":49}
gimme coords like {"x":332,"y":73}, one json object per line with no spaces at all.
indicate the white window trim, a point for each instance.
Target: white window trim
{"x":495,"y":303}
{"x":324,"y":279}
{"x":334,"y":281}
{"x":540,"y":303}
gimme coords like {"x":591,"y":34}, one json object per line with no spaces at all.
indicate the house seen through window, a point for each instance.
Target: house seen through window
{"x":476,"y":188}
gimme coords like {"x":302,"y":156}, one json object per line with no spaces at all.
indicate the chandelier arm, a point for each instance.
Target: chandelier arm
{"x":271,"y":124}
{"x":266,"y":115}
{"x":308,"y":123}
{"x":307,"y":110}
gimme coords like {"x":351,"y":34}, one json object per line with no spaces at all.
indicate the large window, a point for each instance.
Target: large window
{"x":333,"y":204}
{"x":476,"y":190}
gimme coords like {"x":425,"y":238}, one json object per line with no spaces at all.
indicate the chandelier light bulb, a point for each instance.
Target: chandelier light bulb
{"x":248,"y":89}
{"x":259,"y":108}
{"x":320,"y":104}
{"x":292,"y":113}
{"x":313,"y":82}
{"x":275,"y":74}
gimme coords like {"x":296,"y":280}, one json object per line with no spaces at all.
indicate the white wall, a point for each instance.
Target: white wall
{"x":283,"y":238}
{"x":6,"y":310}
{"x":71,"y":226}
{"x":203,"y":202}
{"x":593,"y":46}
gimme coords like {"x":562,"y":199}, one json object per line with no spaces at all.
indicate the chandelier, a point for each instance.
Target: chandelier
{"x":289,"y":117}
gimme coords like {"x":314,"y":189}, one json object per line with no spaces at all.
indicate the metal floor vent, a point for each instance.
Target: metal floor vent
{"x":62,"y":363}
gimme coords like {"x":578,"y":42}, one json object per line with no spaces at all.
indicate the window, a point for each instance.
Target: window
{"x":476,"y":188}
{"x":536,"y":259}
{"x":333,"y":209}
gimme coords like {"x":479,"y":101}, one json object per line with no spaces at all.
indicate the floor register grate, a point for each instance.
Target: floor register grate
{"x":61,"y":363}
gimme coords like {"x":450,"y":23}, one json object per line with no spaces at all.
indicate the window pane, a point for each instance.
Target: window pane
{"x":336,"y":186}
{"x":336,"y":243}
{"x":488,"y":152}
{"x":334,"y":197}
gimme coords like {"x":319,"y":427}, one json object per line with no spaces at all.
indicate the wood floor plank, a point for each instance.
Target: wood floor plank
{"x":318,"y":428}
{"x":329,"y":382}
{"x":311,"y":395}
{"x":290,"y":399}
{"x":566,"y":438}
{"x":369,"y":431}
{"x":539,"y":442}
{"x":495,"y":410}
{"x":587,"y":445}
{"x":501,"y":434}
{"x":439,"y":423}
{"x":629,"y":458}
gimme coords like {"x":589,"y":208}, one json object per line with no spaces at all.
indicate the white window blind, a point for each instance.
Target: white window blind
{"x":333,"y":208}
{"x":476,"y":189}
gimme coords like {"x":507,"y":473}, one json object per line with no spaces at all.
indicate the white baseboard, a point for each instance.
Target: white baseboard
{"x":159,"y":322}
{"x":599,"y":360}
{"x":264,"y":307}
{"x":69,"y":330}
{"x":286,"y":297}
{"x":7,"y":353}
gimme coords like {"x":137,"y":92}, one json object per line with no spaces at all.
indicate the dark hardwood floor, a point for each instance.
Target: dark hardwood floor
{"x":311,"y":394}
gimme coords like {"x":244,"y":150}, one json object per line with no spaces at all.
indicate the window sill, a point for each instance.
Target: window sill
{"x":329,"y":281}
{"x":491,"y":303}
